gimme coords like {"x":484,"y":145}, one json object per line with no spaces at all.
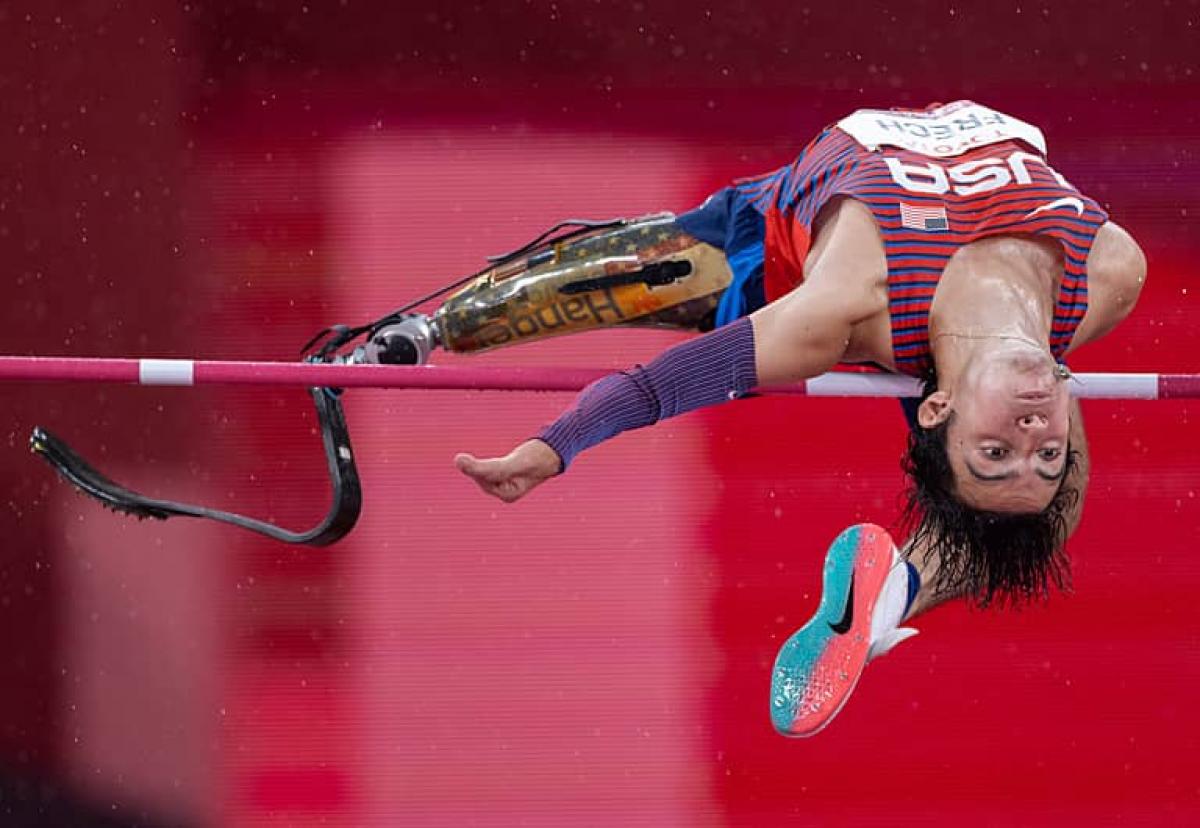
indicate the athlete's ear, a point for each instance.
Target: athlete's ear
{"x":934,"y":409}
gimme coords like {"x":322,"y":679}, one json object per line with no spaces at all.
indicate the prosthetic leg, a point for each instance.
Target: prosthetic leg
{"x":646,"y":272}
{"x":575,"y":277}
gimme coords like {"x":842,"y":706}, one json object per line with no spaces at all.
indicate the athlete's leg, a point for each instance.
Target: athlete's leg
{"x":865,"y":590}
{"x":928,"y":595}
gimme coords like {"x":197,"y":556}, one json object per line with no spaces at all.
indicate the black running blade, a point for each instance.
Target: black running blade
{"x":342,"y":515}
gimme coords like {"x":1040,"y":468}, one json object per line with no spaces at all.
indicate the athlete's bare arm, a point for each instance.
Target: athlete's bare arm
{"x":826,"y":319}
{"x":806,"y":333}
{"x":1116,"y":274}
{"x":801,"y":335}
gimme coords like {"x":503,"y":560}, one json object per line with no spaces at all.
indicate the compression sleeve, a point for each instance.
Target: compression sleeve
{"x":713,"y":368}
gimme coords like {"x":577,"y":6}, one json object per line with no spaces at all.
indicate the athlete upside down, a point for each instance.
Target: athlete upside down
{"x":938,"y":244}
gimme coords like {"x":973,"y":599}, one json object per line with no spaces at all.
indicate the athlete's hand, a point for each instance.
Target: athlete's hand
{"x":512,"y":477}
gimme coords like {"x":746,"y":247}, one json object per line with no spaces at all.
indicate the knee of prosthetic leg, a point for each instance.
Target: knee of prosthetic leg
{"x":408,"y":342}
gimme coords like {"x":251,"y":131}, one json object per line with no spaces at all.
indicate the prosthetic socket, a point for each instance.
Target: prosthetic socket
{"x":646,"y":273}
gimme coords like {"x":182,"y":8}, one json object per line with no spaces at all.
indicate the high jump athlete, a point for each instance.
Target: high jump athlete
{"x":937,"y":243}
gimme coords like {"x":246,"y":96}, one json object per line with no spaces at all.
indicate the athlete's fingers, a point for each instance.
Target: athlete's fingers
{"x":465,"y":463}
{"x":488,"y":487}
{"x":493,"y":470}
{"x":510,"y":492}
{"x":507,"y":490}
{"x":511,"y":477}
{"x":494,"y":476}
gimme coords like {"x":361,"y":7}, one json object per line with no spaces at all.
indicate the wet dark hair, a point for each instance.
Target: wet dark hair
{"x":988,"y":557}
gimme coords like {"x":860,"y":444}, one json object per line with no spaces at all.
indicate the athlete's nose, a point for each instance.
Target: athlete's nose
{"x":1031,"y":421}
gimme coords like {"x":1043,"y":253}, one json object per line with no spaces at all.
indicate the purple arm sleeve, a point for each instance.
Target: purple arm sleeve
{"x":713,"y":368}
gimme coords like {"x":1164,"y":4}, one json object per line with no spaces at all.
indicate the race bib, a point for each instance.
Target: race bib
{"x":940,"y":133}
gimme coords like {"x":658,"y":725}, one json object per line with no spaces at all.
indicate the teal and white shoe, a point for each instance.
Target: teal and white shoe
{"x":865,"y":598}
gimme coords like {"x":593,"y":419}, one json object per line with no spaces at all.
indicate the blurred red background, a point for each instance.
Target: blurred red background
{"x":222,"y":180}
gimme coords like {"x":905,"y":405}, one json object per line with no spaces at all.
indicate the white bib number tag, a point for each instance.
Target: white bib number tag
{"x":940,"y":133}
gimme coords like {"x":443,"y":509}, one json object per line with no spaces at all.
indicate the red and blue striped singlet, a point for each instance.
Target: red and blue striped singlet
{"x":935,"y":180}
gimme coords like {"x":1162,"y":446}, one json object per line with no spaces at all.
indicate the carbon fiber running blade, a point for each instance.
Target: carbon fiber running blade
{"x":343,"y":512}
{"x":76,"y":471}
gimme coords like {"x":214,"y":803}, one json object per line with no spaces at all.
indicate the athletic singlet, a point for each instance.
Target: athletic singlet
{"x":934,"y":180}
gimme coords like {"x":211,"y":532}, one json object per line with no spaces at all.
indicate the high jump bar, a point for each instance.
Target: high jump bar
{"x":187,"y":372}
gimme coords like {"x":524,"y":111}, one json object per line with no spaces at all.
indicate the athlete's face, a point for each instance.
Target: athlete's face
{"x":1007,"y":440}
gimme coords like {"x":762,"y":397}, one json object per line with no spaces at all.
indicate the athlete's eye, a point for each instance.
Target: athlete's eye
{"x":1049,"y":454}
{"x":995,"y":452}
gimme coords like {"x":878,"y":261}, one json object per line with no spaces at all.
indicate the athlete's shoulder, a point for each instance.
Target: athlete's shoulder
{"x":1116,"y":269}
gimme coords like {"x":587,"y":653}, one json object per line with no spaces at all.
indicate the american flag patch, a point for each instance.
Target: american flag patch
{"x":923,"y":218}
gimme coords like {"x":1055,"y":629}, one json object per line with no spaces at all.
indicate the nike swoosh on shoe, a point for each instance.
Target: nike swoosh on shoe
{"x":843,"y":625}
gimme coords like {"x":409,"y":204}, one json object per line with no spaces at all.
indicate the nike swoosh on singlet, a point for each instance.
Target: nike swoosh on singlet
{"x":1069,"y":201}
{"x":843,"y":626}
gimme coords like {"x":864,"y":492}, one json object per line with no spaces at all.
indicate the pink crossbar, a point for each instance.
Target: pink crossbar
{"x":457,"y":377}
